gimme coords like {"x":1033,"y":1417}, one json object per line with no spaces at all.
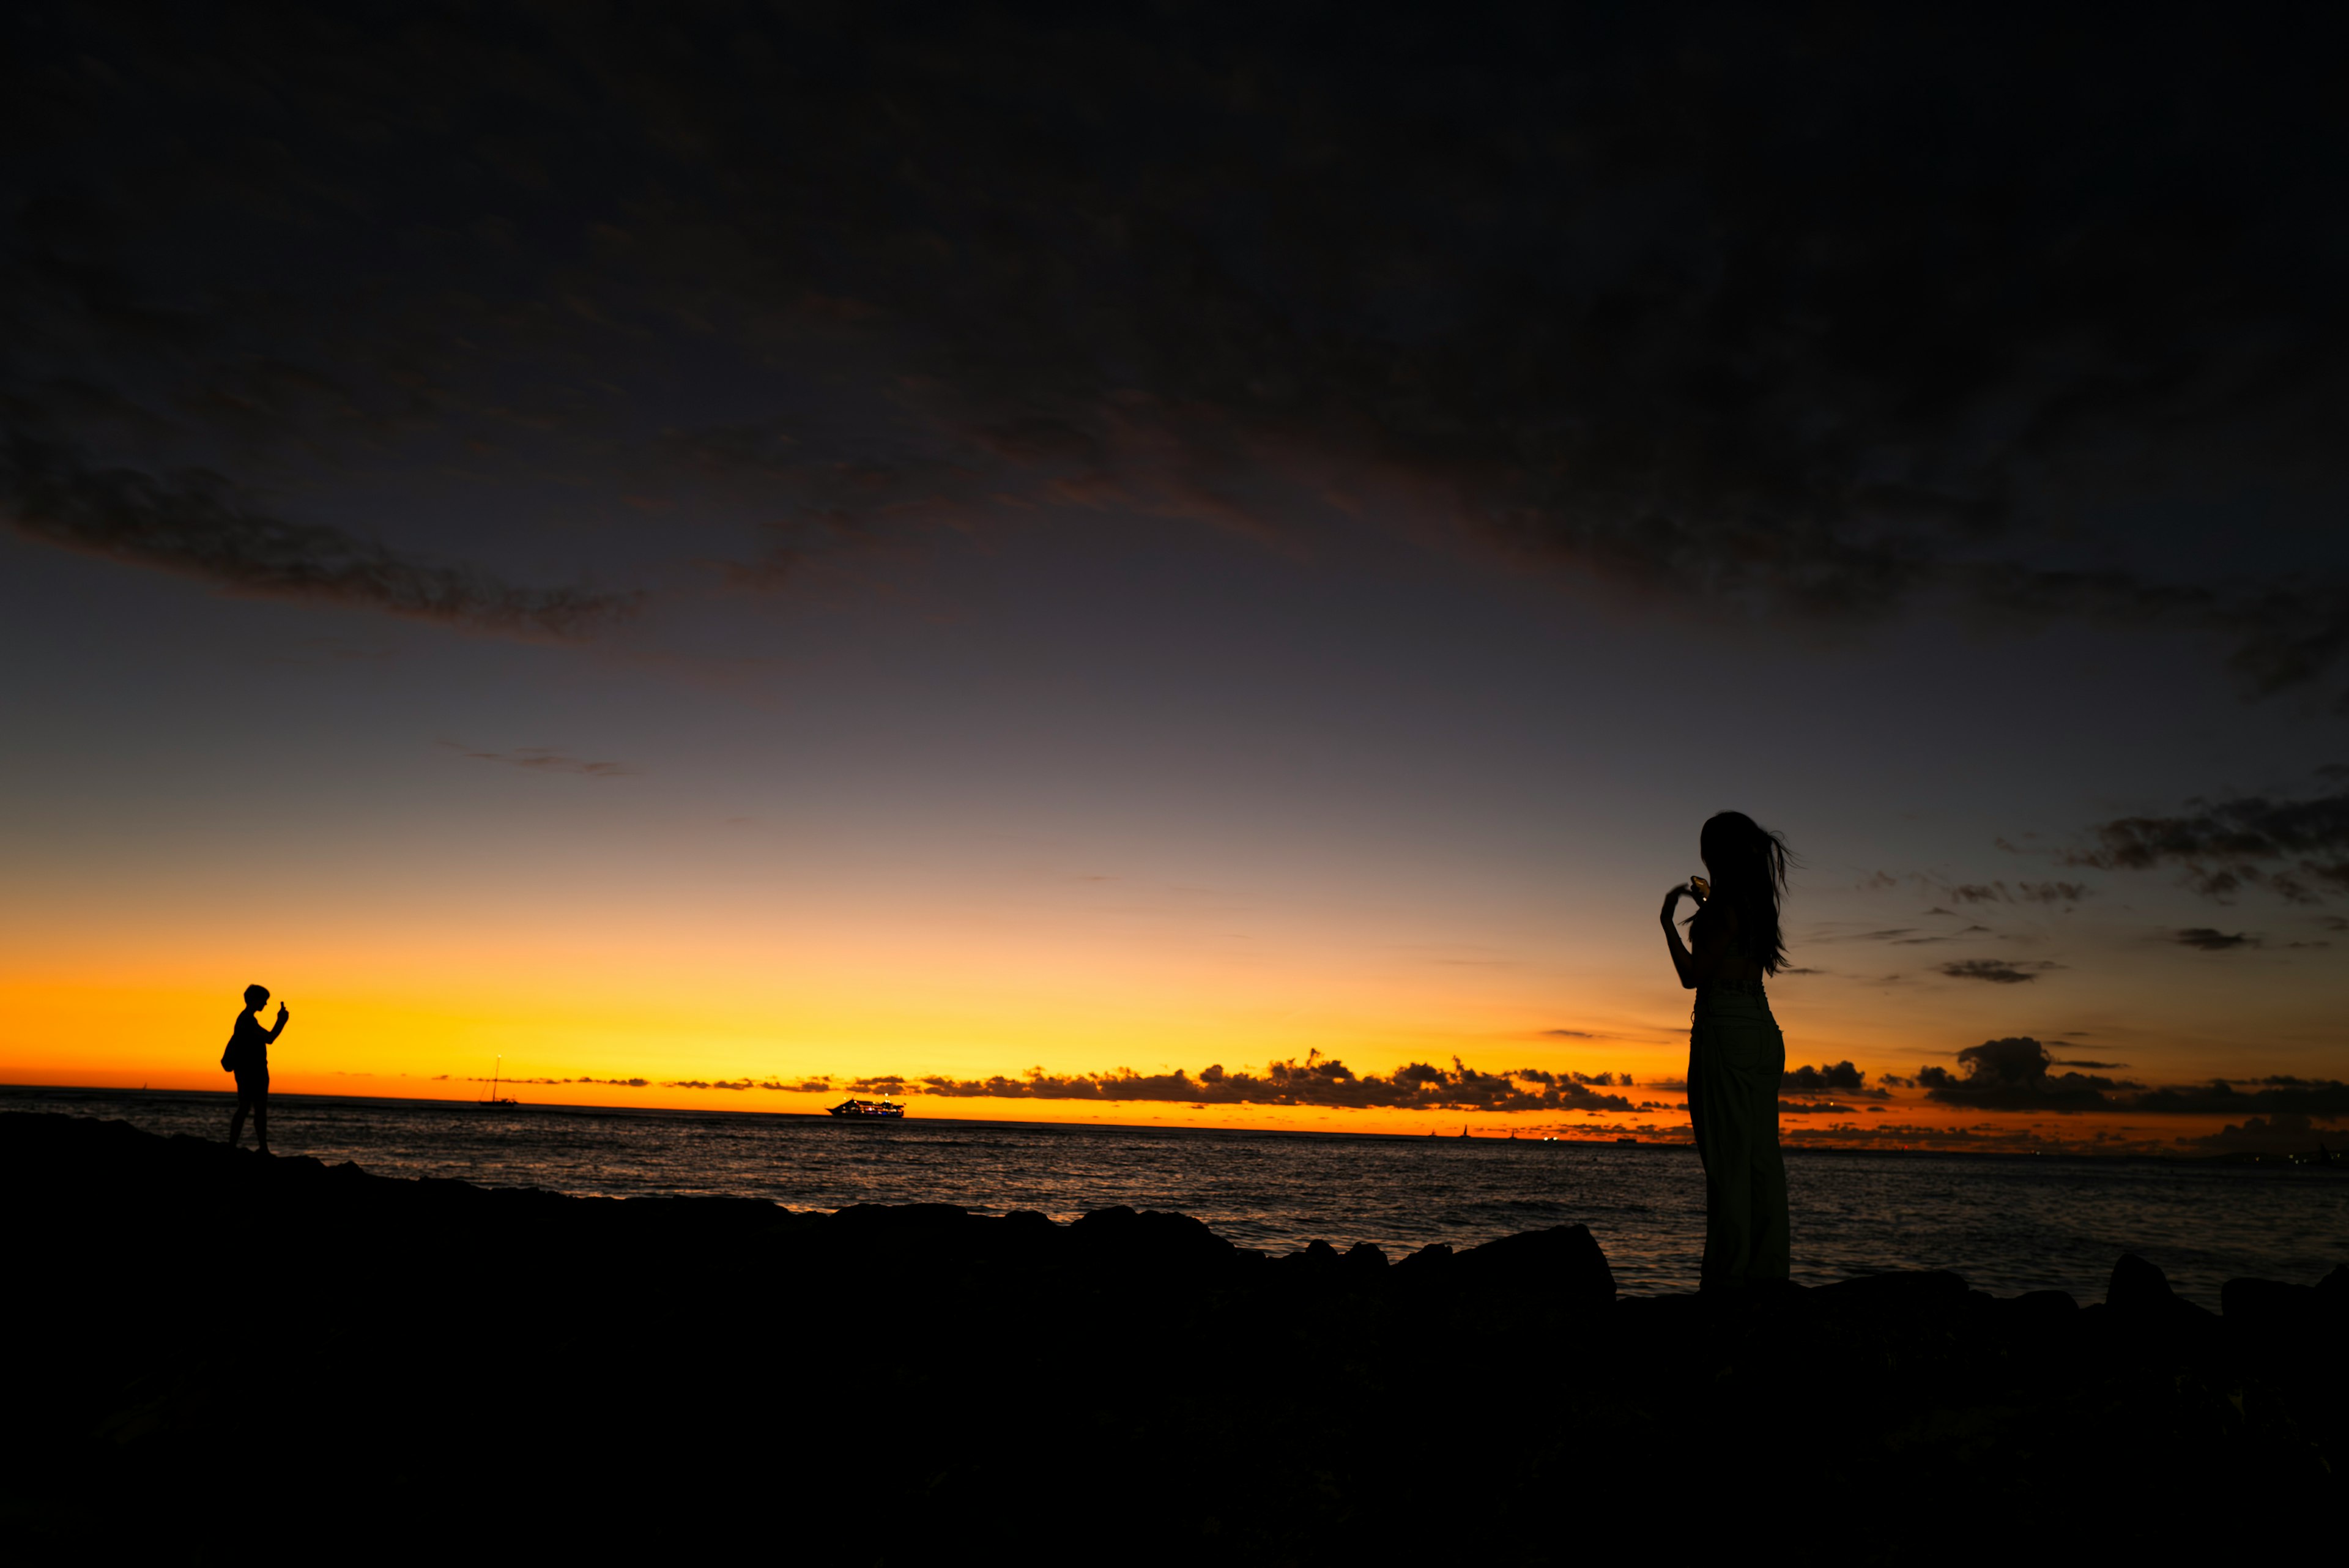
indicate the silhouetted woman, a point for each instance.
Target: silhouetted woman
{"x":248,"y":1057}
{"x":1737,"y":1055}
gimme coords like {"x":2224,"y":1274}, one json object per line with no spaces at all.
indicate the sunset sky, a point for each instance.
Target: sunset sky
{"x":920,"y":551}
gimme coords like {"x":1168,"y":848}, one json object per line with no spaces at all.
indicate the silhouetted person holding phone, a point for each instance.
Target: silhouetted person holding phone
{"x":248,"y":1057}
{"x":1737,"y":1058}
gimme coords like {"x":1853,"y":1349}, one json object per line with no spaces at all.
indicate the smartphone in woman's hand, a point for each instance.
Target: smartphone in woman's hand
{"x":1701,"y":887}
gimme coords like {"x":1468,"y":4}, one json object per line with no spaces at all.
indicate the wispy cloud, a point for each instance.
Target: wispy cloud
{"x":539,"y":759}
{"x":199,"y":524}
{"x":1997,"y":971}
{"x":607,"y":1082}
{"x":2019,"y":893}
{"x":2296,"y":849}
{"x":2213,"y":941}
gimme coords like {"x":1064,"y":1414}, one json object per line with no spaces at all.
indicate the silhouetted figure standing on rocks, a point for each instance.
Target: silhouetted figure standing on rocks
{"x":248,"y":1057}
{"x":1737,"y":1055}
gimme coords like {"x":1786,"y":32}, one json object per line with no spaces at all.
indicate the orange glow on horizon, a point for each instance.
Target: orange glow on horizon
{"x":1909,"y":1123}
{"x":419,"y":998}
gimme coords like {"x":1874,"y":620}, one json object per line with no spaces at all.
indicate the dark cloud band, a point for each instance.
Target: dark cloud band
{"x":196,"y":523}
{"x":1761,"y":339}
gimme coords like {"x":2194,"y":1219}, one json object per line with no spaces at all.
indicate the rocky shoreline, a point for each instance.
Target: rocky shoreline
{"x":225,"y":1355}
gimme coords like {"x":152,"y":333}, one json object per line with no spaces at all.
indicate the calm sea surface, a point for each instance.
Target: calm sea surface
{"x":2007,"y":1223}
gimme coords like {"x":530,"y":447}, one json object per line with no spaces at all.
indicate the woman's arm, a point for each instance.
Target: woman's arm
{"x":1683,"y":963}
{"x":1711,"y":943}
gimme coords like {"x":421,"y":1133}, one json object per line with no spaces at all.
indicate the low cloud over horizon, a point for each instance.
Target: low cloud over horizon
{"x":1313,"y":1081}
{"x":2007,"y":1075}
{"x":1842,"y":1078}
{"x":2012,"y":1074}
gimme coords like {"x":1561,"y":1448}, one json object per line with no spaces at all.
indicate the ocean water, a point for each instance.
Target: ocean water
{"x":2008,"y":1223}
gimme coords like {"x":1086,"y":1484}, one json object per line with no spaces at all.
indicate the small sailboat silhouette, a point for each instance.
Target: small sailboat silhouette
{"x":493,"y":1099}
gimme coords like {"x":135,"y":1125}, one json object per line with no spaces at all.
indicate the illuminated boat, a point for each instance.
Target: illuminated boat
{"x":869,"y":1109}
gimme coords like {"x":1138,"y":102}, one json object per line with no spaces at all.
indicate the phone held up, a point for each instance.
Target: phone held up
{"x":1701,"y":887}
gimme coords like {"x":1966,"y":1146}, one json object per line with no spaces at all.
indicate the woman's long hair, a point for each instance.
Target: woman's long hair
{"x":1749,"y":863}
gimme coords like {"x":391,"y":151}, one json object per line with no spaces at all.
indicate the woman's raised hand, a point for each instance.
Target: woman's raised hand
{"x":1671,"y":899}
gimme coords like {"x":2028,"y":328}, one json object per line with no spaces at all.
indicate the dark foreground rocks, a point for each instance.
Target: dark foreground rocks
{"x":214,"y":1356}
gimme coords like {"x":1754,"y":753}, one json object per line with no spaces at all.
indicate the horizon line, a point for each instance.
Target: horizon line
{"x":2058,"y":1149}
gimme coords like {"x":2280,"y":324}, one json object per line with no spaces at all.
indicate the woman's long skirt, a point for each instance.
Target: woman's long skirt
{"x":1736,"y":1058}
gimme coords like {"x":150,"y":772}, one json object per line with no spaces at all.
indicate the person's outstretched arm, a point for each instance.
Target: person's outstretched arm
{"x":1712,"y":944}
{"x":282,"y":1016}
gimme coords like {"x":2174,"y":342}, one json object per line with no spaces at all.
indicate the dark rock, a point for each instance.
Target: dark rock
{"x":1658,"y":1320}
{"x":1906,"y":1292}
{"x":1151,"y":1237}
{"x":950,"y":1360}
{"x":1365,"y":1256}
{"x":2141,"y":1300}
{"x":2270,"y":1307}
{"x":2332,"y":1290}
{"x":1314,"y":1258}
{"x":1563,"y":1263}
{"x":901,"y":1216}
{"x":1023,"y":1235}
{"x":2139,"y":1287}
{"x":1428,"y":1260}
{"x":2042,"y":1306}
{"x":2270,"y":1321}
